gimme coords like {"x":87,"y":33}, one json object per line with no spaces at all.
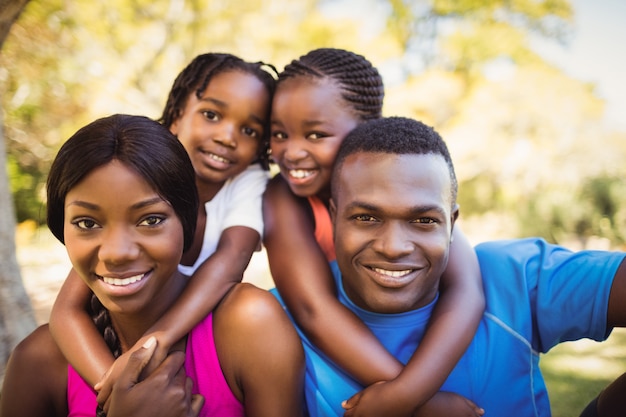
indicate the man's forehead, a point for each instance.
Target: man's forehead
{"x":392,"y":174}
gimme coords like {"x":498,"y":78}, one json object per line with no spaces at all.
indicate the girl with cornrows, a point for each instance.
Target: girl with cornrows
{"x":122,"y":198}
{"x":218,"y":107}
{"x":319,"y":98}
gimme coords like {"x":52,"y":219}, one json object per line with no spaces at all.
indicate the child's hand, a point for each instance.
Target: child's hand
{"x":157,"y":356}
{"x":449,"y":404}
{"x":386,"y":398}
{"x":166,"y":392}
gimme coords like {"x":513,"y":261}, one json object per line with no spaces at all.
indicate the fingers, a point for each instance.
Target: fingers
{"x":197,"y":401}
{"x":352,"y":401}
{"x":137,"y":361}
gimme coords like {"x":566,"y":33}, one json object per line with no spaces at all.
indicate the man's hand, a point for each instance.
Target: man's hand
{"x":166,"y":392}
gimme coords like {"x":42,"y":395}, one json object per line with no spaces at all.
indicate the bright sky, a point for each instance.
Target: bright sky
{"x":597,"y":54}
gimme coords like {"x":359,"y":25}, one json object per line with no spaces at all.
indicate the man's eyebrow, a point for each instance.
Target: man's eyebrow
{"x":419,"y":209}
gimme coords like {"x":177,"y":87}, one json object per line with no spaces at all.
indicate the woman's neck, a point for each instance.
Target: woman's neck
{"x":130,"y":327}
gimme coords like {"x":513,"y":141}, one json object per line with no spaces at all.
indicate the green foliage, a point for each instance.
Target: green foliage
{"x":66,"y":63}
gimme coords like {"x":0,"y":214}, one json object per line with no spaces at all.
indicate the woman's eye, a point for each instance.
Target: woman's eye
{"x":86,"y":224}
{"x":152,"y":221}
{"x":210,"y":115}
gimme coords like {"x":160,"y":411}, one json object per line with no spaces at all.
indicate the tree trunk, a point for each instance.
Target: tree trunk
{"x":16,"y":313}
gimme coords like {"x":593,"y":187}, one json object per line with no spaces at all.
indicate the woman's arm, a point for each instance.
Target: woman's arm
{"x":260,"y":353}
{"x":75,"y":333}
{"x":35,"y":382}
{"x":303,"y":278}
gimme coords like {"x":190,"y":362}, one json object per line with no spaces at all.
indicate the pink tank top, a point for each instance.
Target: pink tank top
{"x":323,"y":228}
{"x":202,"y":366}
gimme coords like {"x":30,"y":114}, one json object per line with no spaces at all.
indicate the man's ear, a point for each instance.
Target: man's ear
{"x":454,"y":215}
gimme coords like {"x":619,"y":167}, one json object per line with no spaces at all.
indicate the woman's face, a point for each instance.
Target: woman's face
{"x":309,"y":121}
{"x":222,"y":130}
{"x":124,"y":241}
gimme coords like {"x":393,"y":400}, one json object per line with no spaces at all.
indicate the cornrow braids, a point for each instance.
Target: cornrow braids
{"x":360,"y":82}
{"x":195,"y":78}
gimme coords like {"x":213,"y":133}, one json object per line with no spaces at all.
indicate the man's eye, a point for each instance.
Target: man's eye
{"x":426,"y":220}
{"x":151,"y":221}
{"x":365,"y":218}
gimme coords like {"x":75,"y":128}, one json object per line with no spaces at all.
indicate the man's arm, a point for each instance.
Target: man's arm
{"x":616,"y":315}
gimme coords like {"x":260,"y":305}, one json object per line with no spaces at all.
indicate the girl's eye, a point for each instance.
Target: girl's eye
{"x":316,"y":136}
{"x":210,"y":115}
{"x":86,"y":224}
{"x":248,"y":131}
{"x":152,"y":221}
{"x":279,"y":135}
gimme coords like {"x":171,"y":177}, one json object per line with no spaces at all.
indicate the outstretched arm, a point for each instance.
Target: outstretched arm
{"x":303,"y":278}
{"x":75,"y":333}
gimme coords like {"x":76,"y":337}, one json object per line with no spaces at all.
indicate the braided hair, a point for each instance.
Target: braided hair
{"x":360,"y":83}
{"x":195,"y":78}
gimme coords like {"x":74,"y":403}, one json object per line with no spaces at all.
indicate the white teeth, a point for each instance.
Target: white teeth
{"x":124,"y":281}
{"x":300,"y":173}
{"x":219,"y":158}
{"x":394,"y":274}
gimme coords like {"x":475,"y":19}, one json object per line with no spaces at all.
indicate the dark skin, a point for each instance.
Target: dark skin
{"x":288,"y":223}
{"x":310,"y":118}
{"x":612,"y":400}
{"x":38,"y":370}
{"x":227,"y":120}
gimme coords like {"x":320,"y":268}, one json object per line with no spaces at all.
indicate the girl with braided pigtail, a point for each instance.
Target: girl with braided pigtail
{"x":319,"y":99}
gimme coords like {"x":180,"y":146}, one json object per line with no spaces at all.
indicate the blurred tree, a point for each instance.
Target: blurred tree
{"x":16,"y":314}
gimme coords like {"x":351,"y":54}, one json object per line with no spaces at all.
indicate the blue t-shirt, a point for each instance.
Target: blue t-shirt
{"x":537,"y":295}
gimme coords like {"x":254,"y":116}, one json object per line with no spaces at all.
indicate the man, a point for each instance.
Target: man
{"x":393,"y":208}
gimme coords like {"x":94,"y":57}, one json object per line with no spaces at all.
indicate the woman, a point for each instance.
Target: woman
{"x":122,"y":198}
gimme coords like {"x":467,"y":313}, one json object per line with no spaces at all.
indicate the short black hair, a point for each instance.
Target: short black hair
{"x":394,"y":135}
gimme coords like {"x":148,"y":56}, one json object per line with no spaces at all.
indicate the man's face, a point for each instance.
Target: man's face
{"x":393,"y":219}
